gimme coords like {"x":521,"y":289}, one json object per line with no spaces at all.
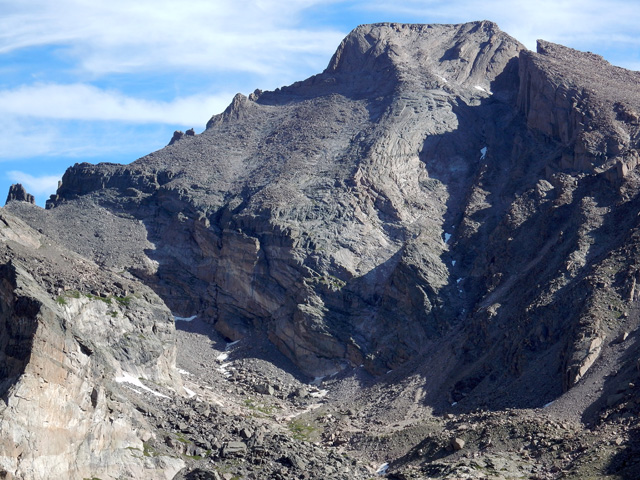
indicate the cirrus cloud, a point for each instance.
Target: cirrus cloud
{"x":87,"y":102}
{"x":147,"y":35}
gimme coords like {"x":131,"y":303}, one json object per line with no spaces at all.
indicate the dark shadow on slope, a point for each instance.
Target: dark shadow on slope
{"x":503,"y":352}
{"x":618,"y":403}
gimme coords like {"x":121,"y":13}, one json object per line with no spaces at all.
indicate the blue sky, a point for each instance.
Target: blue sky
{"x":94,"y":80}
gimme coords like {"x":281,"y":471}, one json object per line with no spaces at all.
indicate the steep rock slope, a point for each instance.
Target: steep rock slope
{"x":69,"y":332}
{"x":308,"y":212}
{"x":438,"y":197}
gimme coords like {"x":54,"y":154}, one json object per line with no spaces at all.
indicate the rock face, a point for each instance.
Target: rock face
{"x":19,"y":193}
{"x":438,"y":195}
{"x":319,"y":221}
{"x":68,"y":331}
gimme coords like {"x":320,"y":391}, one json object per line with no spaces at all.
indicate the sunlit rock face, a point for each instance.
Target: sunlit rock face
{"x":68,"y":331}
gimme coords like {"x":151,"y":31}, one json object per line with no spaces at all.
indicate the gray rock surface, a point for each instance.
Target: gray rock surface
{"x":68,"y":332}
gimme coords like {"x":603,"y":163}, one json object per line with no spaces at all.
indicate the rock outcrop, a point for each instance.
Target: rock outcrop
{"x":344,"y":151}
{"x":68,"y":332}
{"x":18,"y":193}
{"x":589,"y":107}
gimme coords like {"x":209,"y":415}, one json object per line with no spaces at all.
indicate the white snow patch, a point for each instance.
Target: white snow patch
{"x":130,"y":379}
{"x":222,"y":357}
{"x":229,"y":345}
{"x":459,"y":280}
{"x":478,"y":87}
{"x":453,"y":263}
{"x":184,"y":319}
{"x":190,"y":393}
{"x":483,"y":152}
{"x":548,"y":404}
{"x":447,"y":237}
{"x":454,"y":404}
{"x":443,"y":79}
{"x":317,"y":380}
{"x":319,"y":394}
{"x":382,"y":469}
{"x":183,"y":372}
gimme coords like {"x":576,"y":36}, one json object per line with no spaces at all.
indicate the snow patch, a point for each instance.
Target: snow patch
{"x":548,"y":404}
{"x":454,"y":404}
{"x":459,"y":280}
{"x":130,"y":379}
{"x":183,"y":372}
{"x":483,"y":152}
{"x":447,"y":237}
{"x":222,"y":357}
{"x":229,"y":345}
{"x":382,"y":469}
{"x":317,"y":380}
{"x":453,"y":263}
{"x":478,"y":87}
{"x":190,"y":393}
{"x":319,"y":394}
{"x":184,"y":319}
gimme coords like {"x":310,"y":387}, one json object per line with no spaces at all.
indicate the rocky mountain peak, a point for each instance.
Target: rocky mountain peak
{"x":464,"y":52}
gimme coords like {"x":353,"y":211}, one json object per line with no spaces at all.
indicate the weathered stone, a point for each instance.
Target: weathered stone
{"x":54,"y":348}
{"x":457,"y":443}
{"x":265,"y":389}
{"x":234,"y":449}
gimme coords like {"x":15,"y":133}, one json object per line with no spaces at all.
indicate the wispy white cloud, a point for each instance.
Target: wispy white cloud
{"x":86,"y":102}
{"x":125,"y":36}
{"x":97,"y":43}
{"x":37,"y":185}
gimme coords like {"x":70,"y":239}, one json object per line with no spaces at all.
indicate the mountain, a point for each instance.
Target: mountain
{"x":442,"y":221}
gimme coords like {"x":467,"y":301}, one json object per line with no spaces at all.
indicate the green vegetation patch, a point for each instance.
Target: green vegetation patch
{"x":302,"y":431}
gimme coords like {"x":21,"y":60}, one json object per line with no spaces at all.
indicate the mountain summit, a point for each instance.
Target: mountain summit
{"x":440,"y":209}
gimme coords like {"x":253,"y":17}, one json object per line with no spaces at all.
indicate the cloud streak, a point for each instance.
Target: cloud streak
{"x":146,"y":35}
{"x":86,"y":102}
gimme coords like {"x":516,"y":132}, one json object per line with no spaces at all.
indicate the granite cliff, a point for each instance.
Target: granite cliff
{"x":440,"y":202}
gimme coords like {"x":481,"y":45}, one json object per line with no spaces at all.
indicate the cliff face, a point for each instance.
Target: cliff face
{"x":589,"y":107}
{"x":436,"y":188}
{"x":63,"y":344}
